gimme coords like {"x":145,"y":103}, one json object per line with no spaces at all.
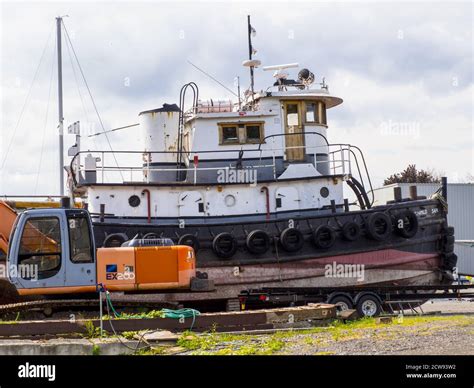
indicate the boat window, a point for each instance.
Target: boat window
{"x":312,"y":111}
{"x":40,"y":248}
{"x":80,"y":240}
{"x":230,"y":134}
{"x":292,"y":117}
{"x":322,"y":110}
{"x":241,"y":133}
{"x":316,"y":112}
{"x":253,"y":133}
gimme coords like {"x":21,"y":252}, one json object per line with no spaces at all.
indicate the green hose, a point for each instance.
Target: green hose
{"x":165,"y":313}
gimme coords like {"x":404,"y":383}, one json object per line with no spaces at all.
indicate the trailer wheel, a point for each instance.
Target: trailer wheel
{"x":368,"y":306}
{"x":342,"y":301}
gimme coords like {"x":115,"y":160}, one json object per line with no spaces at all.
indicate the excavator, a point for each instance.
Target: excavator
{"x":51,"y":251}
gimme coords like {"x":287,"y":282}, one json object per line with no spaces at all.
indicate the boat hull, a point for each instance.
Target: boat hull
{"x":397,"y":260}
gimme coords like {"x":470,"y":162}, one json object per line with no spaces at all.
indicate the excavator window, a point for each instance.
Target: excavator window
{"x":80,"y":239}
{"x":40,"y":247}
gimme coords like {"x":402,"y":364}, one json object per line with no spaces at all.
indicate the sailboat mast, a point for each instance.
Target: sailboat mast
{"x":249,"y":32}
{"x":60,"y":107}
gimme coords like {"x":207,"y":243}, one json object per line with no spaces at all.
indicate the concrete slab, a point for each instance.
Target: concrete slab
{"x":63,"y":347}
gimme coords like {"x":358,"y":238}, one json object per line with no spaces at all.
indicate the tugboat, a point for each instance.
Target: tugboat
{"x":257,"y":189}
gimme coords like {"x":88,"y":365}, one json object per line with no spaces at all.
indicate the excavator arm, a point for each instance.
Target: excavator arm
{"x":8,"y":293}
{"x":7,"y":220}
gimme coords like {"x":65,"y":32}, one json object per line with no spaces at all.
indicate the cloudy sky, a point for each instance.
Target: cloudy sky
{"x":404,"y":70}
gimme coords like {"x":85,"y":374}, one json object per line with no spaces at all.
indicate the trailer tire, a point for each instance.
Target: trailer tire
{"x":190,"y":240}
{"x":343,"y":301}
{"x":115,"y":240}
{"x":324,"y":237}
{"x":351,"y":231}
{"x":379,"y":226}
{"x":291,"y":239}
{"x":406,"y":223}
{"x":258,"y":242}
{"x":368,"y":306}
{"x":224,"y":245}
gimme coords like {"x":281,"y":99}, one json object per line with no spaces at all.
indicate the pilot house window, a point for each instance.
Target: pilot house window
{"x":230,"y":134}
{"x":241,"y":133}
{"x":316,"y":112}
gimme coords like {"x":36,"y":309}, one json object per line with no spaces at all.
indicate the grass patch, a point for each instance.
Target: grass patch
{"x":152,"y":351}
{"x":231,"y":344}
{"x":95,"y":350}
{"x":130,"y":335}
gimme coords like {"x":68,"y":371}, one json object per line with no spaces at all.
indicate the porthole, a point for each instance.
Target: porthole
{"x":324,"y":192}
{"x":134,"y":201}
{"x":229,"y":200}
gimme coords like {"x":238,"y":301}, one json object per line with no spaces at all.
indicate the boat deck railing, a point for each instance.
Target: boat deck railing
{"x":120,"y":167}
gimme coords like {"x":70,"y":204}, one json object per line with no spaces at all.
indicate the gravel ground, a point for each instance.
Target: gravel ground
{"x":447,"y":335}
{"x":451,"y":334}
{"x":435,"y":336}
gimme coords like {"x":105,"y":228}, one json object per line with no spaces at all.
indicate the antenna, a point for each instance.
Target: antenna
{"x":280,"y":72}
{"x":215,"y":80}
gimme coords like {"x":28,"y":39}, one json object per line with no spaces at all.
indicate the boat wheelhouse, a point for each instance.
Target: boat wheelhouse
{"x":268,"y":157}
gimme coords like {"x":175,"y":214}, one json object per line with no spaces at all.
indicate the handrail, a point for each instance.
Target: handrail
{"x":294,"y":133}
{"x":347,"y":152}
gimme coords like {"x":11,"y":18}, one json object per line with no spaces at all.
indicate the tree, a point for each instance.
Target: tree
{"x":412,"y":175}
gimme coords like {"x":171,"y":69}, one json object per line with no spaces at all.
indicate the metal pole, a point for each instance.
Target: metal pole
{"x":249,"y":28}
{"x":238,"y":92}
{"x":101,"y":314}
{"x":444,"y":187}
{"x":60,"y":107}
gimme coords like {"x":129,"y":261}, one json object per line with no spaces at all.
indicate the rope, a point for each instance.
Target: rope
{"x":26,"y":100}
{"x":92,"y":99}
{"x":45,"y":119}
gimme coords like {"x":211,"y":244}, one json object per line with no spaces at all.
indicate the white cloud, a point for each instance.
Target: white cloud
{"x":397,"y":65}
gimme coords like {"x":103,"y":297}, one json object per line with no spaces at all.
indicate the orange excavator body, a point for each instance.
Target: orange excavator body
{"x":146,"y":268}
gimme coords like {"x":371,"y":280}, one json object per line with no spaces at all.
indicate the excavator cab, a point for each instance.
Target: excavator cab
{"x":52,"y":251}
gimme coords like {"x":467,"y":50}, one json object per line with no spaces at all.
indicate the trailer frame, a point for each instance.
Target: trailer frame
{"x":367,"y":300}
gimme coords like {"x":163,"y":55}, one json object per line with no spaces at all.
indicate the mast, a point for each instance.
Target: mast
{"x":249,"y":27}
{"x":60,"y":106}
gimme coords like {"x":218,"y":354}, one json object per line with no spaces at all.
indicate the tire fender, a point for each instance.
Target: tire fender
{"x":220,"y":250}
{"x":190,"y":240}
